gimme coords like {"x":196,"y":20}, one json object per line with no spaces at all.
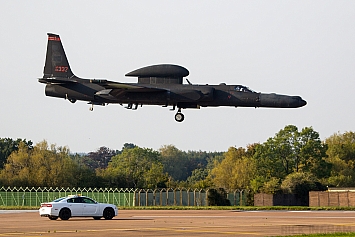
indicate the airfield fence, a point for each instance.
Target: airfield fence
{"x":32,"y":196}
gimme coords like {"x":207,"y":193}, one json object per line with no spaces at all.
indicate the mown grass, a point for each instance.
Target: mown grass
{"x":18,"y":208}
{"x":327,"y":235}
{"x":240,"y":208}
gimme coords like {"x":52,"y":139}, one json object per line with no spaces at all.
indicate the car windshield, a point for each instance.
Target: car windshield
{"x":59,"y":199}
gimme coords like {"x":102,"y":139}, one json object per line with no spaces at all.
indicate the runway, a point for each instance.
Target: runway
{"x":181,"y":223}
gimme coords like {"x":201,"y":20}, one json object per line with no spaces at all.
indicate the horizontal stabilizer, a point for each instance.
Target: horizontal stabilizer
{"x":56,"y":81}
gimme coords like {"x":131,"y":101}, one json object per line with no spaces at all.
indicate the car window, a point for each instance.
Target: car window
{"x":78,"y":200}
{"x":88,"y":200}
{"x":59,"y":199}
{"x":71,"y":200}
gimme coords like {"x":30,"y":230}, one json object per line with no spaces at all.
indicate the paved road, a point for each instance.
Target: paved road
{"x":181,"y":223}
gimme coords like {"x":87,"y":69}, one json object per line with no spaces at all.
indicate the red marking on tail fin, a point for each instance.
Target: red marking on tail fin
{"x":54,"y":38}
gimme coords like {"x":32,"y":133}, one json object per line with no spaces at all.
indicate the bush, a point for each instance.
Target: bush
{"x":301,"y":183}
{"x":218,"y":197}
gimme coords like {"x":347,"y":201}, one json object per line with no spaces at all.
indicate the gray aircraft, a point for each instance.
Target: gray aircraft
{"x":157,"y":85}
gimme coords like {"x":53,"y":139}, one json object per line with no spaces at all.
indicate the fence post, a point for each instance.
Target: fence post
{"x":174,"y":191}
{"x":147,"y":197}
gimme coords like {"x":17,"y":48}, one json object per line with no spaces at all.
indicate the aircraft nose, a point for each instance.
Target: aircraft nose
{"x":303,"y":102}
{"x":281,"y":101}
{"x":299,"y":101}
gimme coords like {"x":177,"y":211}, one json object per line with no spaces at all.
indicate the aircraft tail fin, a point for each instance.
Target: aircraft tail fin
{"x":56,"y":64}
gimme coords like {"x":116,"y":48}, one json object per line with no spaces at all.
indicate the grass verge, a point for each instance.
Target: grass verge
{"x":324,"y":235}
{"x":234,"y":208}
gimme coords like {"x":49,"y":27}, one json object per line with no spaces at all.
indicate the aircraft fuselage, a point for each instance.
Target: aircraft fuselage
{"x":183,"y":96}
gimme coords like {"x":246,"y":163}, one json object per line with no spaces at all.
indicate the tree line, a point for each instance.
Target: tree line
{"x":292,"y":161}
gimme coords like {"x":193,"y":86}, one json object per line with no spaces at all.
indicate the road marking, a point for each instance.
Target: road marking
{"x":181,"y":216}
{"x":300,"y":211}
{"x":251,"y":217}
{"x":16,"y":211}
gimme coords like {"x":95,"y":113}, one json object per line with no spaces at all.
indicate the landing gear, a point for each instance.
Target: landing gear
{"x":130,"y":106}
{"x":179,"y":117}
{"x":91,"y":108}
{"x":70,"y":99}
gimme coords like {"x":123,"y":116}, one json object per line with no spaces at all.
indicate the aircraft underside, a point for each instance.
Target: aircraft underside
{"x":177,"y":100}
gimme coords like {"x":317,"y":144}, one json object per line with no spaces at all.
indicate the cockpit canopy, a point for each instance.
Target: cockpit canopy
{"x":243,"y":89}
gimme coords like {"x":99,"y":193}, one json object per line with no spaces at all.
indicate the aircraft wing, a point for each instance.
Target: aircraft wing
{"x":126,"y":86}
{"x":118,"y":89}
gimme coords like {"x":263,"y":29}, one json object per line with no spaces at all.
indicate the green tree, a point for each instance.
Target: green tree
{"x":85,"y":175}
{"x":128,"y":146}
{"x":257,"y":183}
{"x":8,"y":145}
{"x":312,"y":153}
{"x":135,"y":168}
{"x":341,"y":154}
{"x":292,"y":151}
{"x":199,"y":159}
{"x":40,"y":166}
{"x":301,"y":183}
{"x":180,"y":164}
{"x":235,"y":171}
{"x":175,"y":162}
{"x":271,"y":186}
{"x":342,"y":146}
{"x":199,"y":179}
{"x":154,"y":177}
{"x":99,"y":158}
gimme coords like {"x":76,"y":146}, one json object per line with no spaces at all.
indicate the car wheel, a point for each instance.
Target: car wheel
{"x":53,"y":217}
{"x":97,"y":217}
{"x":65,"y":214}
{"x":109,"y":213}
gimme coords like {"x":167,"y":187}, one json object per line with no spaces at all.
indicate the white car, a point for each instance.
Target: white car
{"x":77,"y":206}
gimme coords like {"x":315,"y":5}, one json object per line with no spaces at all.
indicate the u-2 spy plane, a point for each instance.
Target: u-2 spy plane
{"x":157,"y":85}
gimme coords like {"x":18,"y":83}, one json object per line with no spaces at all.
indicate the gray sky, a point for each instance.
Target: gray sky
{"x":301,"y":48}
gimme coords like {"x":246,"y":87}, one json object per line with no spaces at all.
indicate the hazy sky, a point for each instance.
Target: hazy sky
{"x":304,"y":48}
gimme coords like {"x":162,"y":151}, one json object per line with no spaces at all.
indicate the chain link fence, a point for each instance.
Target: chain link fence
{"x":172,"y":197}
{"x":31,"y":196}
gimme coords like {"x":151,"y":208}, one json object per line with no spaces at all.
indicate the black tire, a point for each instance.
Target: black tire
{"x":64,"y":214}
{"x":179,"y":117}
{"x":97,"y":217}
{"x":109,"y":213}
{"x":53,"y":218}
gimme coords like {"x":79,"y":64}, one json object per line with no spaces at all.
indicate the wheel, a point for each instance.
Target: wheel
{"x":97,"y":217}
{"x":53,"y":217}
{"x":179,"y":117}
{"x":109,"y":213}
{"x":65,"y":214}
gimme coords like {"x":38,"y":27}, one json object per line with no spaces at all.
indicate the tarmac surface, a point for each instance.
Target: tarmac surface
{"x":181,"y":223}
